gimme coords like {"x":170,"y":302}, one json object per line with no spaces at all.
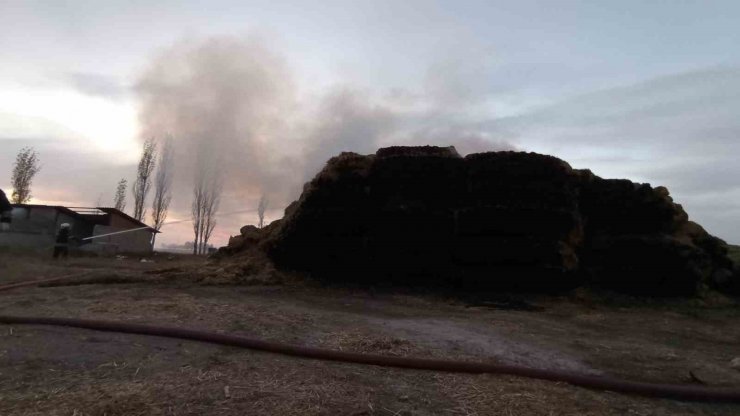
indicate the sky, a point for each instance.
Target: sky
{"x":648,"y":91}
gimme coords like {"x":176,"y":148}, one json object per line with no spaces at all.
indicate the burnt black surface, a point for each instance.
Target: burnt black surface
{"x":425,"y":216}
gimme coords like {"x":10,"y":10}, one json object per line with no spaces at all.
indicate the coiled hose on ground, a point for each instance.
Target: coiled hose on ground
{"x":674,"y":391}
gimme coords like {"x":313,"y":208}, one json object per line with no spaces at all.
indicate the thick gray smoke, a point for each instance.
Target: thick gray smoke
{"x":240,"y":100}
{"x":226,"y":96}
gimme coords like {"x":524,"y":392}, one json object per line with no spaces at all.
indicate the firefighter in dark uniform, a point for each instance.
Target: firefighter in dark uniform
{"x":61,"y":246}
{"x":5,"y":212}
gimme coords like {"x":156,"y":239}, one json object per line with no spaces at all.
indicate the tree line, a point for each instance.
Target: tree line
{"x":155,"y":167}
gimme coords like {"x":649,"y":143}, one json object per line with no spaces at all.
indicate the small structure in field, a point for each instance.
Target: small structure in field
{"x":35,"y":227}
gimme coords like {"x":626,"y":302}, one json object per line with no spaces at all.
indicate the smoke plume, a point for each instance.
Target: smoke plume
{"x":239,"y":99}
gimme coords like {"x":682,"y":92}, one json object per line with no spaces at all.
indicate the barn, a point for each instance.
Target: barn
{"x":35,"y":227}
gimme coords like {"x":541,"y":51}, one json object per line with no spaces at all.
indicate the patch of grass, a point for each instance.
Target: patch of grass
{"x":17,"y":264}
{"x":735,"y":254}
{"x":358,"y":342}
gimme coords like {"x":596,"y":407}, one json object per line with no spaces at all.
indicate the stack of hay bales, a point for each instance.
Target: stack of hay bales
{"x":425,"y":216}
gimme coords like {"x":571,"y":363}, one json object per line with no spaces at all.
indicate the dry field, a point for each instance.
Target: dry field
{"x":62,"y":371}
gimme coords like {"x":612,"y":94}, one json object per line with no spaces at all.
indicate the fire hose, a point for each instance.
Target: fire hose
{"x":674,"y":391}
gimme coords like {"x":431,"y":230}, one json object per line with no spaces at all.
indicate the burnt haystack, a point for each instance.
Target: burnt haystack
{"x":498,"y":220}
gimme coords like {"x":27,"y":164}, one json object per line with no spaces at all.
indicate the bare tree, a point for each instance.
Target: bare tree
{"x":261,"y":208}
{"x":213,"y":199}
{"x":119,"y":201}
{"x":206,"y":198}
{"x":162,"y":186}
{"x":143,"y":181}
{"x":197,"y":209}
{"x":26,"y":167}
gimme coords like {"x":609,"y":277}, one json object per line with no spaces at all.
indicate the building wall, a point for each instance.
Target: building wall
{"x":35,"y":220}
{"x":37,"y":227}
{"x":136,"y":242}
{"x":26,"y":240}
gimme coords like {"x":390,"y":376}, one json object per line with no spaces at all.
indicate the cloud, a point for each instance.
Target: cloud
{"x":681,"y":105}
{"x":70,"y":174}
{"x":680,"y":130}
{"x":96,"y":85}
{"x":18,"y":126}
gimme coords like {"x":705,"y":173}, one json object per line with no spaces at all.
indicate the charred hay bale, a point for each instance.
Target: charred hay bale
{"x":342,"y":182}
{"x":411,"y":244}
{"x":416,"y":151}
{"x":663,"y":241}
{"x":430,"y":176}
{"x":519,"y":179}
{"x":524,"y":165}
{"x":249,"y":237}
{"x":493,"y":250}
{"x":316,"y":239}
{"x":723,"y":274}
{"x":410,"y":216}
{"x":250,"y":232}
{"x":424,"y":216}
{"x":523,"y":212}
{"x":647,"y":265}
{"x":509,"y":220}
{"x":529,"y":238}
{"x":325,"y":228}
{"x":621,"y":207}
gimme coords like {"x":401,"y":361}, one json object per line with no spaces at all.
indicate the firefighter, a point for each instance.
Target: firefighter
{"x":5,"y":212}
{"x":61,"y":246}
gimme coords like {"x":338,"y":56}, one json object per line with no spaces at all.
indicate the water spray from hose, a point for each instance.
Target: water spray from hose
{"x":166,"y":223}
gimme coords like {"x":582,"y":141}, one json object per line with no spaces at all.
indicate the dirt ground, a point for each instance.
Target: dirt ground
{"x":62,"y":371}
